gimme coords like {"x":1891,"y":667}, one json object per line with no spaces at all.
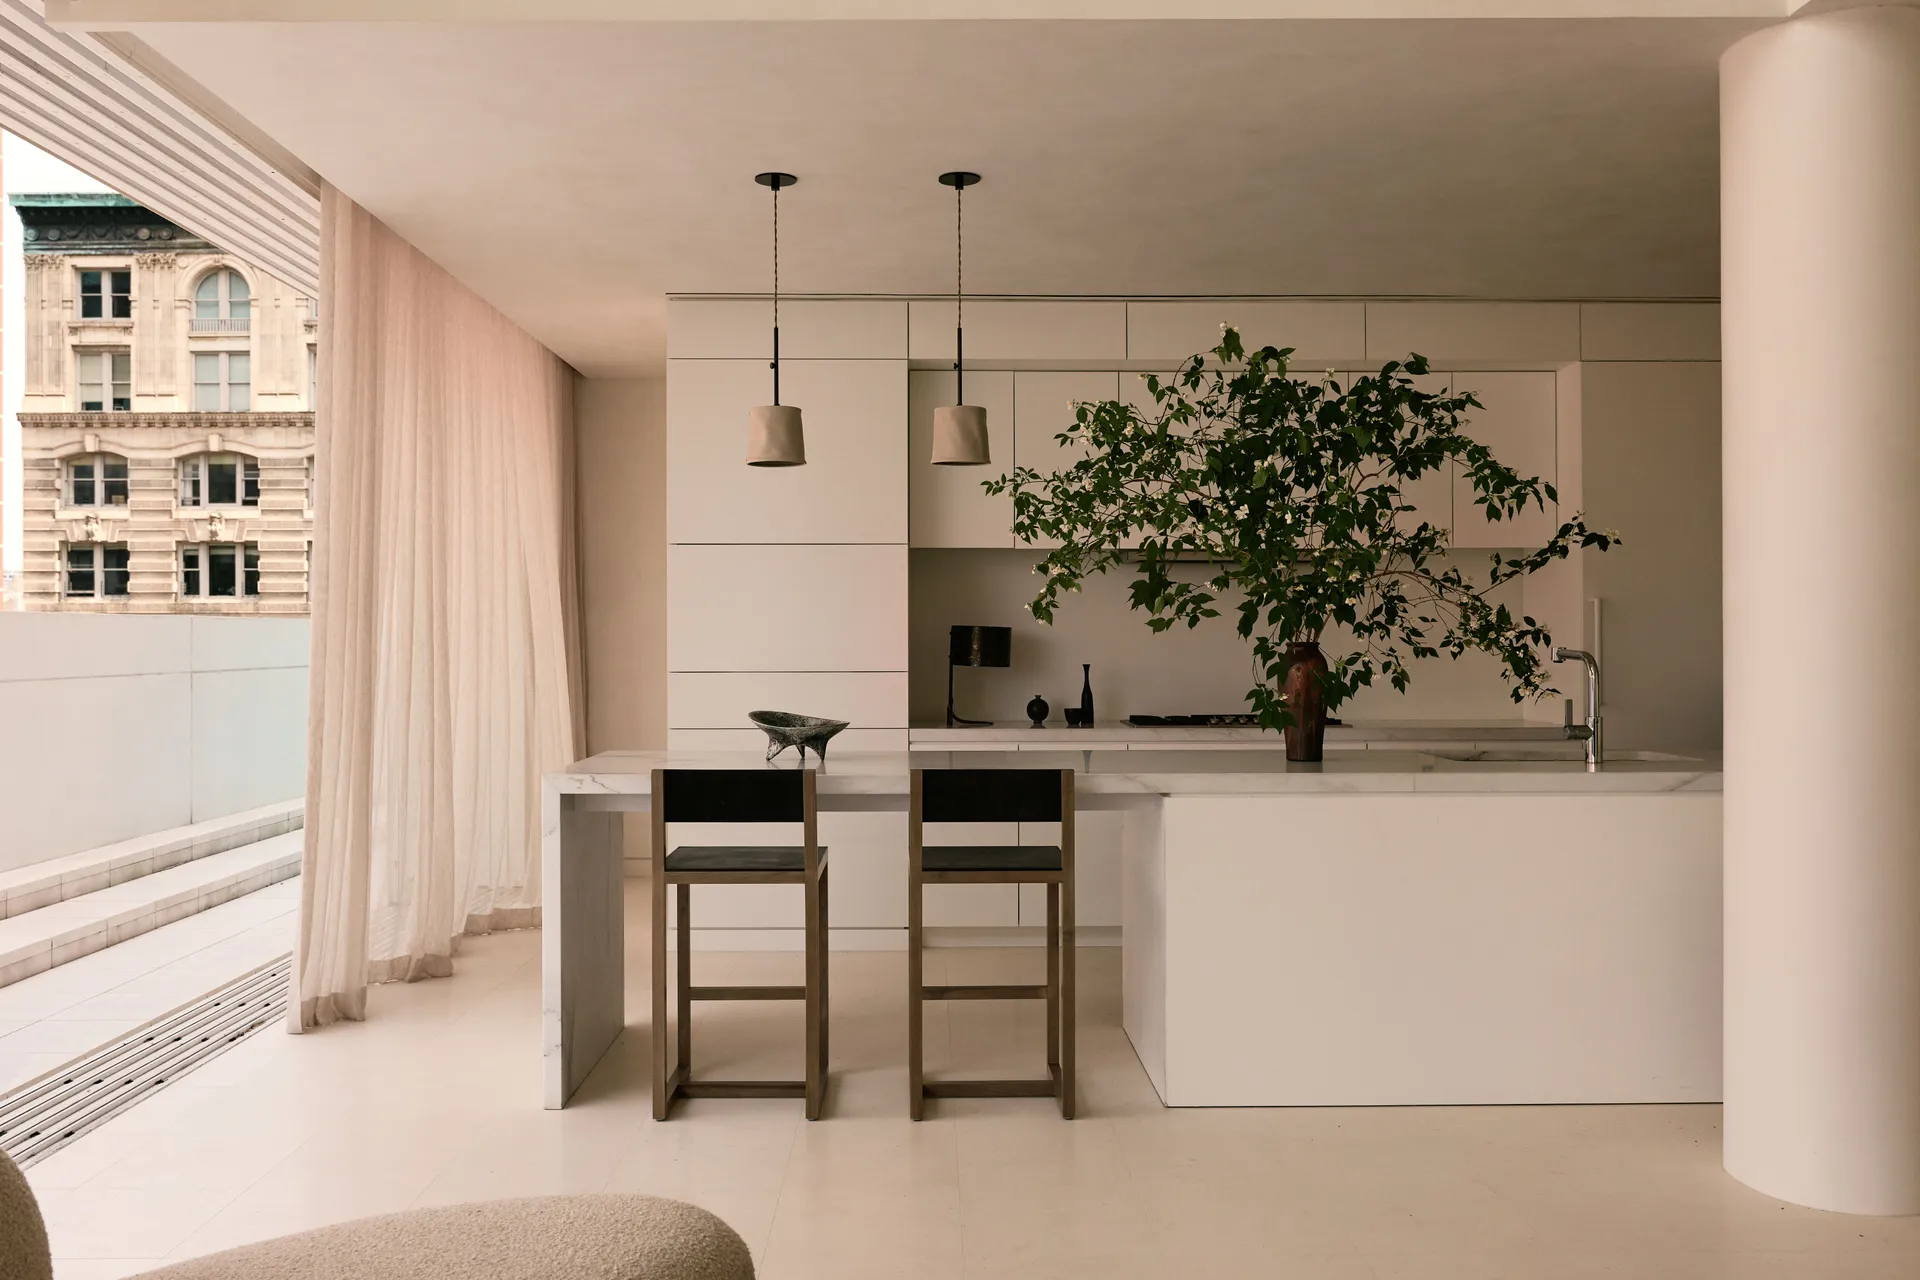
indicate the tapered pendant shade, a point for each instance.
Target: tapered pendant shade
{"x":960,"y":436}
{"x":774,"y":438}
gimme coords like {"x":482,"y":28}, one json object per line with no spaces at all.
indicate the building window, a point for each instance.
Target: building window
{"x":106,"y":294}
{"x":96,"y":570}
{"x":222,"y":303}
{"x":313,"y":376}
{"x":96,"y":480}
{"x":103,"y":381}
{"x":210,"y":570}
{"x":219,"y":480}
{"x":222,"y":381}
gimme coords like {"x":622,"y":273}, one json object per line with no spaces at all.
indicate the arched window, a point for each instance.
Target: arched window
{"x":222,"y":303}
{"x":219,"y":480}
{"x":96,"y":480}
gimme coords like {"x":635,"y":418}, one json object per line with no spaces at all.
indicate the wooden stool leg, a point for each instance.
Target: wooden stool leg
{"x":1053,"y":975}
{"x":661,"y":1070}
{"x":683,"y":946}
{"x":1067,"y":1003}
{"x":826,"y":972}
{"x":916,"y":1094}
{"x":813,"y":952}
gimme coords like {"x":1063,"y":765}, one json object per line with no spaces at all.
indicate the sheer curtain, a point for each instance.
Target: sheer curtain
{"x":445,"y":661}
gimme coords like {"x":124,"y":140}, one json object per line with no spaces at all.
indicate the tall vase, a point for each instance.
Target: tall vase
{"x":1086,"y":695}
{"x":1307,"y":700}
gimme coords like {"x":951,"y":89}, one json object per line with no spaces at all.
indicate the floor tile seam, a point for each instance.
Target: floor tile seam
{"x":786,"y":1178}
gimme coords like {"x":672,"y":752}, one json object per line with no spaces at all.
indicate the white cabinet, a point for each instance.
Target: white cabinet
{"x":722,"y":699}
{"x":1518,"y":425}
{"x":1020,"y":330}
{"x":787,"y":608}
{"x":742,"y":329}
{"x":1322,"y":334}
{"x":948,"y":508}
{"x":1043,"y":407}
{"x":1474,"y":332}
{"x":854,"y":486}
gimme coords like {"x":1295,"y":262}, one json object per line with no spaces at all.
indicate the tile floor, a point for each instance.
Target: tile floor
{"x":53,"y":1017}
{"x":435,"y":1099}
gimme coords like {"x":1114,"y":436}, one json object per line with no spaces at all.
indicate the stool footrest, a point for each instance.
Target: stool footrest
{"x":1000,"y":992}
{"x":990,"y":1088}
{"x":744,"y":1089}
{"x":746,"y":993}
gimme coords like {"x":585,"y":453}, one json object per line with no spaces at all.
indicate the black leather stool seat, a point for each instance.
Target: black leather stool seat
{"x":990,"y":857}
{"x":739,"y":857}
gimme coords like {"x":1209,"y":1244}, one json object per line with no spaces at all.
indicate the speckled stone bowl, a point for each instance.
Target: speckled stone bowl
{"x":787,"y":729}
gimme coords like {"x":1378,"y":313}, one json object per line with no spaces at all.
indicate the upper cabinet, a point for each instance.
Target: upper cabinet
{"x":1324,"y":335}
{"x":742,"y":329}
{"x":1519,"y":425}
{"x":1043,"y":407}
{"x":854,"y":486}
{"x":948,"y":506}
{"x":1024,"y":331}
{"x":1513,"y":334}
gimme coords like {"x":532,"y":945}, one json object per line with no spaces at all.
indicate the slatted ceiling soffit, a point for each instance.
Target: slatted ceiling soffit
{"x":106,"y":105}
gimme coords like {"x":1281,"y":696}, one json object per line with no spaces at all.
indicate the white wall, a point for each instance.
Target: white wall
{"x":117,"y":725}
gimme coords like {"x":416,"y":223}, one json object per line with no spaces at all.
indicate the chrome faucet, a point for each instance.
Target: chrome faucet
{"x":1590,"y":732}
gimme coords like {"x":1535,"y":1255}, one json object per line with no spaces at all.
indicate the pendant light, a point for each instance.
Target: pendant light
{"x":959,"y":429}
{"x":774,"y":437}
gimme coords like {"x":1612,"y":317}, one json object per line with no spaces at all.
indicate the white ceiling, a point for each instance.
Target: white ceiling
{"x":576,"y":173}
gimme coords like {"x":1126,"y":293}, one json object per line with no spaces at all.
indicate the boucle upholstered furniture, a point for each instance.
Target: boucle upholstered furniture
{"x":547,"y":1238}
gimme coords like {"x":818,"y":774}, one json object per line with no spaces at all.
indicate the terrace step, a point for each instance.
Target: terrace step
{"x":61,"y":931}
{"x":42,"y":884}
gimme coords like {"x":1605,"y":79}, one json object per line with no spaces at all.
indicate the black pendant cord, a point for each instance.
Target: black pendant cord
{"x":959,"y":327}
{"x":776,"y":291}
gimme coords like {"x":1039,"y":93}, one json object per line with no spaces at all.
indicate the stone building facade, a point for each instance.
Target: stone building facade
{"x":166,"y":421}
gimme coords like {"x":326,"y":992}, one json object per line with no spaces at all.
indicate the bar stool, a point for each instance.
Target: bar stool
{"x":736,"y":796}
{"x":994,"y":795}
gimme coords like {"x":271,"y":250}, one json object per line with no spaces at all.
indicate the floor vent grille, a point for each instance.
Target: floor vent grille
{"x":45,"y":1114}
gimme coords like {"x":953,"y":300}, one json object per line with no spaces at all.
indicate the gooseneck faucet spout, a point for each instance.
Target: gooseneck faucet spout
{"x":1590,"y":732}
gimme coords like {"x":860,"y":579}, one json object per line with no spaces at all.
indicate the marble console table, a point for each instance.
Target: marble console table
{"x":1219,"y":803}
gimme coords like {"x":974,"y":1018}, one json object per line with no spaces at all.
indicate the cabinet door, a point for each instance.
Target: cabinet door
{"x":854,"y":486}
{"x":787,"y":608}
{"x":1043,"y":407}
{"x":1518,"y":424}
{"x":948,"y":508}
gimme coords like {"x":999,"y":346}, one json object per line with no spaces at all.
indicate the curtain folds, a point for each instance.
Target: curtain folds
{"x":445,"y":663}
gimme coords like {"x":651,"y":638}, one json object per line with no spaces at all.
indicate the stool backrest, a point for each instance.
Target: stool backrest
{"x":993,"y":795}
{"x":732,"y":795}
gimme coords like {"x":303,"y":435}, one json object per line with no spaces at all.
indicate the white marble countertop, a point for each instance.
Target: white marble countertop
{"x":1120,"y":735}
{"x":1190,"y":773}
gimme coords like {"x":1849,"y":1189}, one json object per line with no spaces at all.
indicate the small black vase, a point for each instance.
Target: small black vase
{"x":1086,"y":695}
{"x":1037,"y":711}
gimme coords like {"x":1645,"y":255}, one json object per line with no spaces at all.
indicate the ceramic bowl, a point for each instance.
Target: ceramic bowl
{"x":788,"y":729}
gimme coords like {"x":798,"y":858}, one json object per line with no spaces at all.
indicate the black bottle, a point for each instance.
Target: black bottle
{"x":1037,"y":711}
{"x":1086,"y":695}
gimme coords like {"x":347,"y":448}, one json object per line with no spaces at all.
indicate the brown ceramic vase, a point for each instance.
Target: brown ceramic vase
{"x":1306,"y":736}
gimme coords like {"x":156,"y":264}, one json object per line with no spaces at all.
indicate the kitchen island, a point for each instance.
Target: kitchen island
{"x":1480,"y":926}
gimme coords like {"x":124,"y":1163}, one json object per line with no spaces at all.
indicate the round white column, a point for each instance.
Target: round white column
{"x":1820,"y":285}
